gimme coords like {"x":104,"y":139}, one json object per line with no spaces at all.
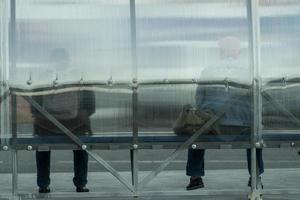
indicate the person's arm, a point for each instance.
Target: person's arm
{"x":200,"y":94}
{"x":88,"y":103}
{"x":34,"y":111}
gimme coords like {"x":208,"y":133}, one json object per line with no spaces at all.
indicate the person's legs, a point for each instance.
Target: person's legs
{"x":195,"y":162}
{"x":195,"y":168}
{"x":260,"y":165}
{"x":259,"y":159}
{"x":43,"y":168}
{"x":80,"y":168}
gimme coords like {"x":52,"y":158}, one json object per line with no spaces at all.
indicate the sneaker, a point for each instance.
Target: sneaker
{"x":259,"y":183}
{"x":44,"y":190}
{"x":82,"y":189}
{"x":195,"y":183}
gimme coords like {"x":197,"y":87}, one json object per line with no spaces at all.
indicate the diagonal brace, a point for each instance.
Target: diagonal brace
{"x":73,"y":137}
{"x":281,"y":108}
{"x":187,"y":143}
{"x":52,"y":119}
{"x":4,"y":96}
{"x":109,"y":168}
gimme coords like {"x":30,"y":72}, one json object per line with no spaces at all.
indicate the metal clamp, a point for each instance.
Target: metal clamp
{"x":83,"y":147}
{"x":134,"y":84}
{"x":284,"y":81}
{"x":226,"y":83}
{"x":29,"y":81}
{"x":55,"y":82}
{"x":5,"y":148}
{"x":110,"y":82}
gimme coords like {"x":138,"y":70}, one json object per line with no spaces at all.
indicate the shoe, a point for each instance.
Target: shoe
{"x":259,"y":183}
{"x":82,"y":189}
{"x":195,"y":183}
{"x":44,"y":190}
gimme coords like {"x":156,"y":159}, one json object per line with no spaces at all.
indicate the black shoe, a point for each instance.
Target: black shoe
{"x":44,"y":190}
{"x":195,"y":183}
{"x":259,"y":182}
{"x":82,"y":189}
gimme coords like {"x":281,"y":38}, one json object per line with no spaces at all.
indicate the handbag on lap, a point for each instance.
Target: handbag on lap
{"x":190,"y":120}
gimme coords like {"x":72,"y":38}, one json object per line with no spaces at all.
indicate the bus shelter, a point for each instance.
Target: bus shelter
{"x":137,"y":63}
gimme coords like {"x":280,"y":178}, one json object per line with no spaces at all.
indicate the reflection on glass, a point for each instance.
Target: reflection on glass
{"x":186,"y":40}
{"x":280,"y":61}
{"x":96,"y":35}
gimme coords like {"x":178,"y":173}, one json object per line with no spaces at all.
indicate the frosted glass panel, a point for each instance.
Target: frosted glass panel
{"x":160,"y":105}
{"x":104,"y":111}
{"x":280,"y":38}
{"x":72,"y":40}
{"x":192,"y":41}
{"x":280,"y":62}
{"x":179,"y":39}
{"x":82,"y":42}
{"x":4,"y":61}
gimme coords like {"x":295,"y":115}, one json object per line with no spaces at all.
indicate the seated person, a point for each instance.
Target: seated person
{"x":237,"y":118}
{"x":73,"y":110}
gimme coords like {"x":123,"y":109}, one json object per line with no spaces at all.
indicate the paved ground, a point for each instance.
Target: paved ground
{"x":220,"y":185}
{"x":62,"y":161}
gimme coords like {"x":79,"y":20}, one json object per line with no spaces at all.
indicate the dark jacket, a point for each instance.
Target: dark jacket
{"x":79,"y":125}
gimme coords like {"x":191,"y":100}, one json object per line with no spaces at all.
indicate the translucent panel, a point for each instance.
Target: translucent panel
{"x":280,"y":33}
{"x":113,"y":112}
{"x":72,"y":40}
{"x":280,"y":49}
{"x":203,"y":42}
{"x":160,"y":105}
{"x":179,"y":39}
{"x":4,"y":61}
{"x":86,"y":43}
{"x":84,"y":112}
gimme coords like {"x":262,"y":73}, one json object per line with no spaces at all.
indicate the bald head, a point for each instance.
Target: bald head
{"x":230,"y":47}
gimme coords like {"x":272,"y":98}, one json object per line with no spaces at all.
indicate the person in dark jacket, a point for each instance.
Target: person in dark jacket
{"x":237,"y":120}
{"x":73,"y":110}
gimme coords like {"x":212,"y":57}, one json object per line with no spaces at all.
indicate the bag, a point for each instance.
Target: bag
{"x":190,"y":120}
{"x":62,"y":106}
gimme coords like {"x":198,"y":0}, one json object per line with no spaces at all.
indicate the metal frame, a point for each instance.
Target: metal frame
{"x":136,"y":186}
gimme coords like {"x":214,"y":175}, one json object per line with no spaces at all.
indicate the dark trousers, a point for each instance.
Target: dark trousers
{"x":195,"y":163}
{"x":80,"y":168}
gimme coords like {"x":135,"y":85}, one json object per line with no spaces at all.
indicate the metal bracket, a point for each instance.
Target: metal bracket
{"x":43,"y":148}
{"x":255,"y":195}
{"x":188,"y":142}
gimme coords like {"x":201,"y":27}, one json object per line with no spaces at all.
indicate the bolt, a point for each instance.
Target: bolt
{"x":194,"y":146}
{"x":29,"y":148}
{"x":292,"y":144}
{"x":257,"y":144}
{"x":29,"y":82}
{"x":135,"y":146}
{"x":83,"y":147}
{"x":5,"y":148}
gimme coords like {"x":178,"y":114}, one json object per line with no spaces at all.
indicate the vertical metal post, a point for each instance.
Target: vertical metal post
{"x":14,"y":174}
{"x":254,"y":55}
{"x":134,"y":150}
{"x":4,"y":53}
{"x":12,"y":66}
{"x":12,"y":62}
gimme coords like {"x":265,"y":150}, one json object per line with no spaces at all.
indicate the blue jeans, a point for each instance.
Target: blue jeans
{"x":80,"y":168}
{"x":195,"y":163}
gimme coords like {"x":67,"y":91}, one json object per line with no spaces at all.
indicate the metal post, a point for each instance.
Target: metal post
{"x":188,"y":142}
{"x":14,"y":174}
{"x":12,"y":65}
{"x":254,"y":55}
{"x":134,"y":150}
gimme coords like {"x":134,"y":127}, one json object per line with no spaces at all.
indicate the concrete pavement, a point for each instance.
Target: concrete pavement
{"x":219,"y":185}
